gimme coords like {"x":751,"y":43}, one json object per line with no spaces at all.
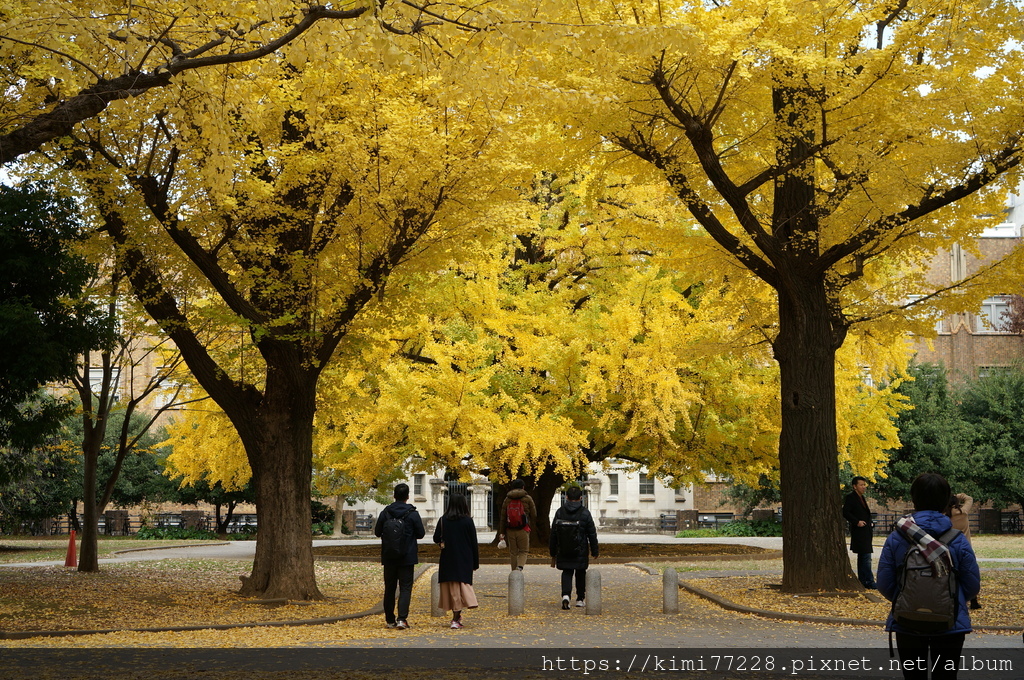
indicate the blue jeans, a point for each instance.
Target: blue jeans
{"x":864,"y":573}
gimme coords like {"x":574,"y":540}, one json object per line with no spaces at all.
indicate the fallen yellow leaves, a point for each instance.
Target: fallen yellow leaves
{"x":1000,"y":598}
{"x":168,"y":593}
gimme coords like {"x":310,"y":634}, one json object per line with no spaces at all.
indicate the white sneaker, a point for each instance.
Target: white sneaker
{"x":581,"y":603}
{"x":565,"y":601}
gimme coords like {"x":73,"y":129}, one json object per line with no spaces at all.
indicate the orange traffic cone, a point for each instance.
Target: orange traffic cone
{"x":72,"y":558}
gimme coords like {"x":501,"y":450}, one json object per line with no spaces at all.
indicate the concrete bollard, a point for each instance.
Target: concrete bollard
{"x":435,"y":596}
{"x":593,"y":592}
{"x":516,"y":593}
{"x":670,"y":584}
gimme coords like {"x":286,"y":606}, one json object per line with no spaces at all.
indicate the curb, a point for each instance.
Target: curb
{"x":807,"y":618}
{"x":376,"y":609}
{"x":171,"y":547}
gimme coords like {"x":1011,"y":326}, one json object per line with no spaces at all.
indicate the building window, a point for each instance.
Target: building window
{"x":930,"y":314}
{"x":991,"y":317}
{"x":96,"y":380}
{"x":679,"y":494}
{"x":417,"y":485}
{"x":991,"y":371}
{"x":167,"y":392}
{"x":646,"y":484}
{"x":613,"y":485}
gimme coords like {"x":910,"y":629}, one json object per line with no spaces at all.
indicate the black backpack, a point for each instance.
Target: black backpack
{"x":570,"y":538}
{"x":926,"y":603}
{"x":393,"y":537}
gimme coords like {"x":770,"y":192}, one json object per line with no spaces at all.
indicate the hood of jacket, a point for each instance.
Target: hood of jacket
{"x":517,"y":494}
{"x":935,"y":523}
{"x":573,"y":507}
{"x":400,"y":508}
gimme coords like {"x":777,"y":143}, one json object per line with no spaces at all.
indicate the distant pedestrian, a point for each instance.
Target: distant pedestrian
{"x":573,"y":541}
{"x":460,"y":557}
{"x":927,"y":535}
{"x":518,"y":514}
{"x":959,"y":514}
{"x":399,"y":527}
{"x":856,"y":512}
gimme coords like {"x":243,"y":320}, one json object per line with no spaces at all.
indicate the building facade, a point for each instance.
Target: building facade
{"x":973,"y":343}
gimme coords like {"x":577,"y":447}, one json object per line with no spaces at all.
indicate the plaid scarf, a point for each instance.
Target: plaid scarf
{"x":931,"y":548}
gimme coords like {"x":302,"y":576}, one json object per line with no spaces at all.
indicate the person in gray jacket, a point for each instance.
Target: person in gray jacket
{"x":573,"y":541}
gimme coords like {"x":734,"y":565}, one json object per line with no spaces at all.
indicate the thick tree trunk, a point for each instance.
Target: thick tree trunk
{"x":812,"y":515}
{"x":544,"y":490}
{"x":281,"y":457}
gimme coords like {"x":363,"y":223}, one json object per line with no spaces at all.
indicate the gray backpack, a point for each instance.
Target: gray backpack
{"x":926,"y":603}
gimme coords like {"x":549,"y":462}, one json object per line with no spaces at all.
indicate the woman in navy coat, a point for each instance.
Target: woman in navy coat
{"x":460,"y":557}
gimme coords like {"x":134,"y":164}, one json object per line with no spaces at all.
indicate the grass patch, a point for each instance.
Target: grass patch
{"x":53,"y":548}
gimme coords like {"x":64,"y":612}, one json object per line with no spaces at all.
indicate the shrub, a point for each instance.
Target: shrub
{"x":147,"y":532}
{"x":743,"y":527}
{"x":698,"y":533}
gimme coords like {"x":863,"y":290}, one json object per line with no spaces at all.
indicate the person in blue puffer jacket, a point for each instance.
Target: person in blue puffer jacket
{"x":930,"y":493}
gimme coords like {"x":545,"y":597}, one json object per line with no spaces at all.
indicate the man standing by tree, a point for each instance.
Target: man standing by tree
{"x":518,"y":514}
{"x":856,"y":512}
{"x":399,"y":527}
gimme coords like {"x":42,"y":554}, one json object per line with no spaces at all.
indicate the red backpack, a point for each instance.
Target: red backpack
{"x":516,"y":515}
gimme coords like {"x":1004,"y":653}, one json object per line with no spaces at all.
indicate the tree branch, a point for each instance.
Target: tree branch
{"x":93,"y":100}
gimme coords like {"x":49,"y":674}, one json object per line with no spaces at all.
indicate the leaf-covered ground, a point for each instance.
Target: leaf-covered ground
{"x":168,"y":593}
{"x":1000,"y":598}
{"x":200,"y":592}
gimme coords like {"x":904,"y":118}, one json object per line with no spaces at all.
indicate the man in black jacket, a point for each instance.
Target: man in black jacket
{"x":856,"y":512}
{"x":398,"y":571}
{"x":573,"y":538}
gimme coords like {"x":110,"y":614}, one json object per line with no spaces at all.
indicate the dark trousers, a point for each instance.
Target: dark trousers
{"x":942,"y":649}
{"x":864,"y":573}
{"x":581,"y":582}
{"x":397,"y":577}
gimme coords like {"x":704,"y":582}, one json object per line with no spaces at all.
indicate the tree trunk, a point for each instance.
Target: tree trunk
{"x":339,"y":518}
{"x":281,"y":458}
{"x":812,"y":513}
{"x":544,"y":490}
{"x":88,"y":557}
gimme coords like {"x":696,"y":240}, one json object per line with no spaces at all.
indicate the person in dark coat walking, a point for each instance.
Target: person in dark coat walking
{"x":460,"y":557}
{"x":398,"y":573}
{"x":856,"y":512}
{"x":573,"y":540}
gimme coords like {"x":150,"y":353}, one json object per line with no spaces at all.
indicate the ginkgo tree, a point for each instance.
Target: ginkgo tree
{"x":821,"y":145}
{"x":584,"y":338}
{"x":276,"y":202}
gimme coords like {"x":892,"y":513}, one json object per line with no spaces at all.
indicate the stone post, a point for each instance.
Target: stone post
{"x":670,"y":586}
{"x":593,"y":592}
{"x":516,"y":593}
